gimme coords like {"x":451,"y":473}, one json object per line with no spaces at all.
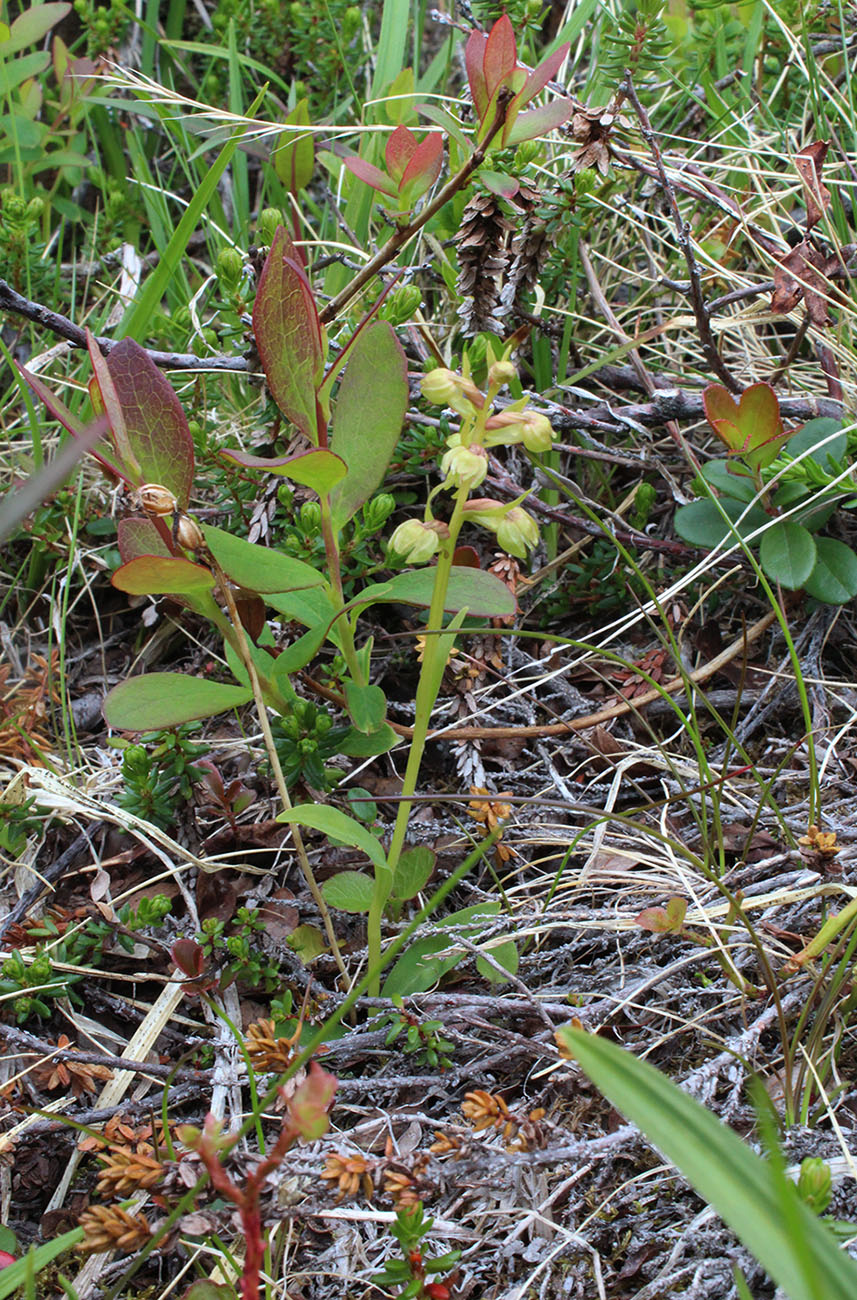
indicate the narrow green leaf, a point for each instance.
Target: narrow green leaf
{"x":788,"y":553}
{"x":18,"y":70}
{"x":159,"y":700}
{"x":349,"y":891}
{"x":322,"y":817}
{"x":297,"y":655}
{"x":32,"y":26}
{"x":744,"y":1190}
{"x":368,"y":417}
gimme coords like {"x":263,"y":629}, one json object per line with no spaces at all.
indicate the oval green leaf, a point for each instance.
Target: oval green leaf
{"x":160,"y":700}
{"x":349,"y":891}
{"x":412,"y":872}
{"x":481,"y":594}
{"x":834,"y":578}
{"x":823,"y":430}
{"x":787,"y":554}
{"x":320,"y":470}
{"x":702,"y":524}
{"x":367,"y":706}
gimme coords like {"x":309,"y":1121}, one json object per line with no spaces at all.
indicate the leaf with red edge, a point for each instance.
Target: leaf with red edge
{"x":155,"y":423}
{"x":538,"y":121}
{"x":540,"y":76}
{"x":474,"y":55}
{"x":501,"y":54}
{"x":69,"y":422}
{"x":140,"y":536}
{"x":104,"y":396}
{"x":751,"y":428}
{"x":424,"y":168}
{"x":371,"y":175}
{"x":162,"y":575}
{"x":319,"y":469}
{"x":400,"y":149}
{"x":288,"y":335}
{"x":158,"y":700}
{"x":664,"y":920}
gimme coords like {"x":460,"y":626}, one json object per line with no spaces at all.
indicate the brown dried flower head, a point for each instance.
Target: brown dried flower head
{"x":351,"y":1174}
{"x":126,"y":1171}
{"x":106,"y":1227}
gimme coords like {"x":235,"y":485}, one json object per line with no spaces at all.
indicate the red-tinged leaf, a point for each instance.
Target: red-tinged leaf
{"x":309,"y":1104}
{"x":424,"y":167}
{"x":155,"y":423}
{"x":538,"y":121}
{"x":803,"y":273}
{"x":501,"y":54}
{"x":719,"y":404}
{"x":401,"y":147}
{"x":138,"y":536}
{"x":809,"y":162}
{"x":759,"y":416}
{"x":158,"y":700}
{"x":540,"y":76}
{"x":474,"y":55}
{"x":367,"y":421}
{"x":288,"y":335}
{"x":5,"y":1258}
{"x":105,"y":398}
{"x":372,"y":175}
{"x":70,"y":423}
{"x":465,"y":557}
{"x":319,"y":469}
{"x":162,"y":575}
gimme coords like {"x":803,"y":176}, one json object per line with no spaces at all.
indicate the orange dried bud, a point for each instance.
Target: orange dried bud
{"x":156,"y":499}
{"x":189,"y":534}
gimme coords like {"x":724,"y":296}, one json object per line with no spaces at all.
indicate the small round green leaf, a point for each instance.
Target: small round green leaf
{"x":349,"y":891}
{"x":412,"y":871}
{"x":834,"y":578}
{"x":787,"y":554}
{"x":702,"y":524}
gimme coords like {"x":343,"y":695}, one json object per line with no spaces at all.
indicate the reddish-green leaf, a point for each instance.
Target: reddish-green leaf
{"x":31,"y":26}
{"x":139,"y":536}
{"x":155,"y":424}
{"x":400,"y":149}
{"x":159,"y":700}
{"x":319,"y":469}
{"x":161,"y":575}
{"x":288,"y":335}
{"x":367,"y":421}
{"x":371,"y":175}
{"x":474,"y":54}
{"x":752,"y":427}
{"x":424,"y":167}
{"x":501,"y":54}
{"x":60,"y":412}
{"x":538,"y":121}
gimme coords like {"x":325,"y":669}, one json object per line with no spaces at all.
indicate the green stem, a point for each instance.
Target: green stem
{"x":346,"y":631}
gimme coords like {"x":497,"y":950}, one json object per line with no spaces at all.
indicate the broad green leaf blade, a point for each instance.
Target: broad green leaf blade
{"x":367,"y":706}
{"x":834,"y":578}
{"x":155,"y":423}
{"x":349,"y":891}
{"x":538,"y":121}
{"x":319,"y":469}
{"x":297,"y":655}
{"x":743,"y":1189}
{"x":356,"y":745}
{"x":288,"y":335}
{"x":413,"y":871}
{"x":759,"y":416}
{"x":787,"y":554}
{"x":160,"y":700}
{"x":256,"y":567}
{"x":311,"y":607}
{"x":161,"y":575}
{"x":368,"y":417}
{"x":506,"y":955}
{"x":726,"y":476}
{"x":418,"y":969}
{"x":481,"y":594}
{"x":321,"y":817}
{"x":702,"y":523}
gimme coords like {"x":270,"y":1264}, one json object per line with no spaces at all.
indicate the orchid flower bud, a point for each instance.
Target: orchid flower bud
{"x":500,"y":373}
{"x":512,"y":426}
{"x":444,"y":387}
{"x":516,"y":531}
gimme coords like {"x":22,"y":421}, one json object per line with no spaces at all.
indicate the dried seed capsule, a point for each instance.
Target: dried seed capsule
{"x":188,"y":533}
{"x":157,"y":500}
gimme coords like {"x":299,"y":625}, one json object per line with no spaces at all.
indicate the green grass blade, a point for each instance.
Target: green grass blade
{"x":747,"y":1192}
